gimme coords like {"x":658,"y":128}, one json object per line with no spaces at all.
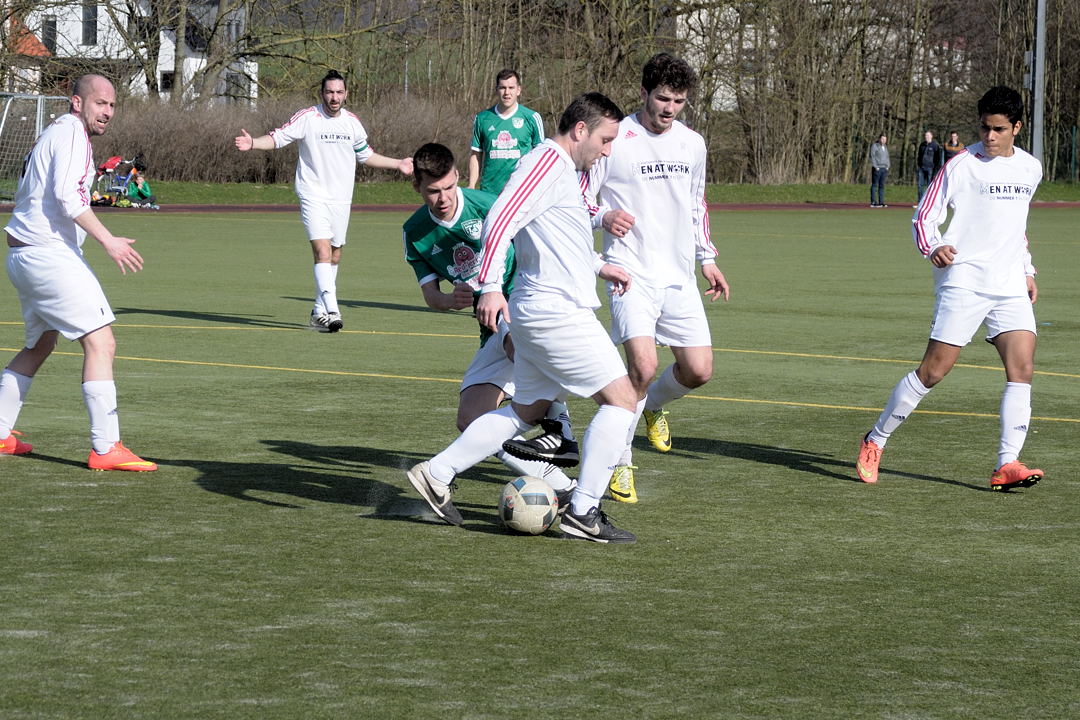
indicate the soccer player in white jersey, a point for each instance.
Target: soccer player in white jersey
{"x":982,"y":274}
{"x":651,"y":203}
{"x":57,"y":289}
{"x":559,"y":345}
{"x":332,"y":141}
{"x":443,"y":243}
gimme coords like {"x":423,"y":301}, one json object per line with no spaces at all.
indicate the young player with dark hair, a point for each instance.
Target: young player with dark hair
{"x":651,"y":203}
{"x":502,"y":134}
{"x":982,"y":274}
{"x":443,"y":243}
{"x":332,"y":141}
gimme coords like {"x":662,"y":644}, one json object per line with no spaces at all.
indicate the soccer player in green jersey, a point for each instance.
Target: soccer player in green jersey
{"x":502,"y":134}
{"x":443,"y":243}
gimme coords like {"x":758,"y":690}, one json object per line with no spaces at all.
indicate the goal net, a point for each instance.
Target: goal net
{"x":22,"y":118}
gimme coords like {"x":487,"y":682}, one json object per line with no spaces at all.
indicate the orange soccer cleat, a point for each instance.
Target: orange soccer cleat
{"x":1013,"y":475}
{"x":869,"y":459}
{"x":119,"y":458}
{"x":12,"y":445}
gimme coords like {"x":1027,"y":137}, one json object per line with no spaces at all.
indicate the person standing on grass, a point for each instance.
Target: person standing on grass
{"x":651,"y":203}
{"x":442,"y":243}
{"x":982,"y":274}
{"x":57,"y":289}
{"x":927,"y":162}
{"x":879,"y":170}
{"x":560,"y":347}
{"x":332,"y":141}
{"x":502,"y":135}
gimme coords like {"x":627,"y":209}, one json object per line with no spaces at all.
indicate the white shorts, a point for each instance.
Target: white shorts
{"x":959,"y":313}
{"x":560,"y":349}
{"x":490,"y":365}
{"x":673,"y":316}
{"x":57,"y":291}
{"x":325,"y":221}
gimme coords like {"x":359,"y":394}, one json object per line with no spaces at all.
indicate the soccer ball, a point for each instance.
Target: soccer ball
{"x":528,"y":505}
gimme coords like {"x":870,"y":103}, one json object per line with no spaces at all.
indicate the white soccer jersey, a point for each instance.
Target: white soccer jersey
{"x":660,"y":180}
{"x":55,"y":187}
{"x":990,"y":198}
{"x":330,"y":147}
{"x":542,"y":211}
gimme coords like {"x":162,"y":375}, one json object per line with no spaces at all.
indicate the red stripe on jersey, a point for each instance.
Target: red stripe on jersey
{"x":706,"y":227}
{"x":83,"y":188}
{"x":293,"y":119}
{"x":543,"y":165}
{"x":583,"y":183}
{"x":928,"y":200}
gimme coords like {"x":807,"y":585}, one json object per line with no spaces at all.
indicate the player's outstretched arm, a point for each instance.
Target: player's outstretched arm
{"x":718,"y":284}
{"x":402,"y":165}
{"x":245,"y":142}
{"x":118,"y":248}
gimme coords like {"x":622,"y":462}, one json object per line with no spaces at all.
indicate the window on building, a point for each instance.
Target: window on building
{"x":236,"y":87}
{"x":166,"y":84}
{"x":89,"y":22}
{"x":48,"y":34}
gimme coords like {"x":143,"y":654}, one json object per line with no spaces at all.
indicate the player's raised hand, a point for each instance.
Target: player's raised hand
{"x":125,"y":256}
{"x":244,"y":141}
{"x":619,"y":278}
{"x":618,"y":222}
{"x":718,"y":284}
{"x":489,"y":307}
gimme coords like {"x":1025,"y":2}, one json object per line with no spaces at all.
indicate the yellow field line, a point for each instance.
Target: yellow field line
{"x":349,"y":373}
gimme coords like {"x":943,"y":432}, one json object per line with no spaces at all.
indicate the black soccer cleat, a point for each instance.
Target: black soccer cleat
{"x":550,"y":446}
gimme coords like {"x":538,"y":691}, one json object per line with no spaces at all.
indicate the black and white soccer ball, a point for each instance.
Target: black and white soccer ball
{"x":528,"y":505}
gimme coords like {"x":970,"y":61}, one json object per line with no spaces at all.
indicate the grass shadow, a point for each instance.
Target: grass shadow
{"x":798,"y":460}
{"x":252,"y":320}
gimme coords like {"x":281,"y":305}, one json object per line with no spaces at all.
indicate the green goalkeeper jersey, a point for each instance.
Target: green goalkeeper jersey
{"x":451,"y":250}
{"x":502,"y":141}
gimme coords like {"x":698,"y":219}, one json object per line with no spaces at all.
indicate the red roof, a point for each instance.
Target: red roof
{"x":26,"y":43}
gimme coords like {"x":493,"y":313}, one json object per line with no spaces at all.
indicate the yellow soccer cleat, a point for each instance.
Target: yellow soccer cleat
{"x":621,"y":486}
{"x":656,"y":426}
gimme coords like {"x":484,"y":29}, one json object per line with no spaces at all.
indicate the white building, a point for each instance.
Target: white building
{"x":124,"y":40}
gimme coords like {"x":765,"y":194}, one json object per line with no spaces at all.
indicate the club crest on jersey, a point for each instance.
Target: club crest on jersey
{"x":518,"y":123}
{"x":504,"y":140}
{"x":465,"y":261}
{"x":472,"y":228}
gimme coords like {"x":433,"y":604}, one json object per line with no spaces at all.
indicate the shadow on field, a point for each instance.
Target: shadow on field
{"x":800,"y":460}
{"x":370,"y":304}
{"x":336,"y":474}
{"x":210,"y":317}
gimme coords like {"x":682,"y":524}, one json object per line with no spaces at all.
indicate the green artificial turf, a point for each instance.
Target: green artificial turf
{"x":279,"y":565}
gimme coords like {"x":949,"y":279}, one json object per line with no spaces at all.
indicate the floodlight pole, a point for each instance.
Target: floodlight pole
{"x":1038,"y":89}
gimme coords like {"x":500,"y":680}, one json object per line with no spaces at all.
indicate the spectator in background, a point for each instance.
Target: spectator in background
{"x":139,"y":192}
{"x":952,"y":147}
{"x":879,"y":171}
{"x":927,"y":162}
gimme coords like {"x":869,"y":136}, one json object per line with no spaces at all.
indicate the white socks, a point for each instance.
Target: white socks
{"x":484,"y":436}
{"x":600,"y":449}
{"x":1015,"y":418}
{"x":13,"y":390}
{"x":100,"y":397}
{"x":326,"y":287}
{"x":905,"y":397}
{"x":664,"y":389}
